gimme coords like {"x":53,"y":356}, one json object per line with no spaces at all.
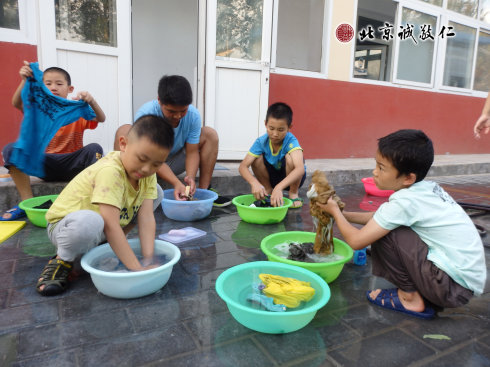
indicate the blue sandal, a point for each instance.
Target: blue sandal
{"x":15,"y":213}
{"x":388,"y":298}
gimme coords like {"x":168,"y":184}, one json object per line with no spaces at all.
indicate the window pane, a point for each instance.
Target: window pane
{"x":434,"y":2}
{"x":465,"y":7}
{"x":87,"y":21}
{"x":9,"y":14}
{"x":459,"y":56}
{"x":370,"y":62}
{"x":239,"y":29}
{"x":375,"y":33}
{"x":300,"y":46}
{"x":482,"y":69}
{"x":415,"y":60}
{"x":485,"y":10}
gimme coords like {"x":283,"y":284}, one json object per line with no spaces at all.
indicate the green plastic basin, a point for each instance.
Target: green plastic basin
{"x":235,"y":283}
{"x":260,"y":215}
{"x":328,"y":271}
{"x":37,"y":216}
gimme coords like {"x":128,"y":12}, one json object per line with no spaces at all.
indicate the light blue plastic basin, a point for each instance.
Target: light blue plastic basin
{"x":132,"y":284}
{"x":233,"y":283}
{"x":188,"y":211}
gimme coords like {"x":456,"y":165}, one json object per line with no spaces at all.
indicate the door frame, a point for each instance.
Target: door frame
{"x":49,"y":45}
{"x":212,"y":64}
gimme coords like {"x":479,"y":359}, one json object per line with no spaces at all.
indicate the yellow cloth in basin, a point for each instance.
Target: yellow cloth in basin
{"x":287,"y":291}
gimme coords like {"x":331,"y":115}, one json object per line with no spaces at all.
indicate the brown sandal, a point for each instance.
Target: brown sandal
{"x":54,"y":277}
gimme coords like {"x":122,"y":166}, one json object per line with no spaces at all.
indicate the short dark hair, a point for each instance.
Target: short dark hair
{"x":280,"y":110}
{"x":156,"y":129}
{"x":55,"y":69}
{"x":174,"y":90}
{"x":410,"y":151}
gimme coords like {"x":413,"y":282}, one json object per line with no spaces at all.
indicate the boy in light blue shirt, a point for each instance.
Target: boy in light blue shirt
{"x":276,"y":159}
{"x":421,"y":239}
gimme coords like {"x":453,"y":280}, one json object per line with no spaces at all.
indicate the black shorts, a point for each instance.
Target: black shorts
{"x":277,"y":175}
{"x":65,"y":166}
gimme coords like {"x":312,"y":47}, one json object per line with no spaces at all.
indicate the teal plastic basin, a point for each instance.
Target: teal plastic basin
{"x":237,"y":281}
{"x":260,"y":215}
{"x":328,"y":271}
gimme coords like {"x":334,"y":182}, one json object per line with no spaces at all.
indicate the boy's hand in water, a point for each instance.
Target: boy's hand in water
{"x":148,"y":263}
{"x":258,"y":191}
{"x":276,"y":198}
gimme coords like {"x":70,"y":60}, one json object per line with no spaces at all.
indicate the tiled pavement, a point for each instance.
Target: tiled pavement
{"x":187,"y":324}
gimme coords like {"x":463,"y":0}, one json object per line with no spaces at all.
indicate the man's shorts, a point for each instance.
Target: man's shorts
{"x":176,"y":162}
{"x":277,"y":175}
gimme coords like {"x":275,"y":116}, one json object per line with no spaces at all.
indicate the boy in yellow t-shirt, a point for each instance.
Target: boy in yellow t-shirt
{"x":103,"y":202}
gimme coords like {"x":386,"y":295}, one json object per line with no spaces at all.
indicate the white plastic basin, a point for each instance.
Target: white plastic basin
{"x":132,"y":284}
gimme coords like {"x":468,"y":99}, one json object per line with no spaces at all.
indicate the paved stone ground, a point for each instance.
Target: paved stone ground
{"x":187,"y":324}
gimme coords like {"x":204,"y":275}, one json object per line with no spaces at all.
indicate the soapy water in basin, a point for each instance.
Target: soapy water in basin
{"x":109,"y":262}
{"x":283,"y":251}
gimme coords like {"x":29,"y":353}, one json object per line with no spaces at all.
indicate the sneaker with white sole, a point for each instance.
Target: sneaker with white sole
{"x":221,"y":201}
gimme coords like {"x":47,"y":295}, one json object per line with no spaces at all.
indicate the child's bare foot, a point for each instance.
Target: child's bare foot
{"x":412,"y":301}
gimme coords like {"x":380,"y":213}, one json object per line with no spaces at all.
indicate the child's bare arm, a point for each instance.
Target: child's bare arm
{"x":116,"y":238}
{"x":24,"y":72}
{"x":294,"y":176}
{"x":258,"y":190}
{"x":358,"y":217}
{"x":87,"y":97}
{"x":482,"y":125}
{"x":146,"y":228}
{"x":356,"y":238}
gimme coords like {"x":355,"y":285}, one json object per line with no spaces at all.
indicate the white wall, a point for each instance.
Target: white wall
{"x":164,"y":41}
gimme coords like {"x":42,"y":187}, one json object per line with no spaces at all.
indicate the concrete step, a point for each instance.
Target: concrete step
{"x":227,"y":180}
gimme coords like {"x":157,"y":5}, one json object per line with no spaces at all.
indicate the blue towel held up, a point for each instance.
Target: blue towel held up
{"x":44,"y":114}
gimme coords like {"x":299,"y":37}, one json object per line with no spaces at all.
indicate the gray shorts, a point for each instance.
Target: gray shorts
{"x":401,"y":258}
{"x":81,"y":231}
{"x":176,"y":162}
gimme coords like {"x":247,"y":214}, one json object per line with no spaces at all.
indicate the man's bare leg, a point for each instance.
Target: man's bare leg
{"x":208,"y":154}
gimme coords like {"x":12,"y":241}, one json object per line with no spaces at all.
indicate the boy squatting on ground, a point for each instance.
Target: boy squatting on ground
{"x":195,"y":147}
{"x":104,"y":201}
{"x":65,"y":155}
{"x":276,"y":159}
{"x":421,"y":240}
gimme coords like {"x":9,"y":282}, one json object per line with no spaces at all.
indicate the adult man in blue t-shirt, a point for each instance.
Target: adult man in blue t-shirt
{"x":195,"y":147}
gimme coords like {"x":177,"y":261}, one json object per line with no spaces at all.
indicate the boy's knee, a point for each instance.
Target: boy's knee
{"x":208,"y":134}
{"x":258,"y":162}
{"x":85,"y":225}
{"x":94,"y":148}
{"x":6,"y":153}
{"x":289,"y":162}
